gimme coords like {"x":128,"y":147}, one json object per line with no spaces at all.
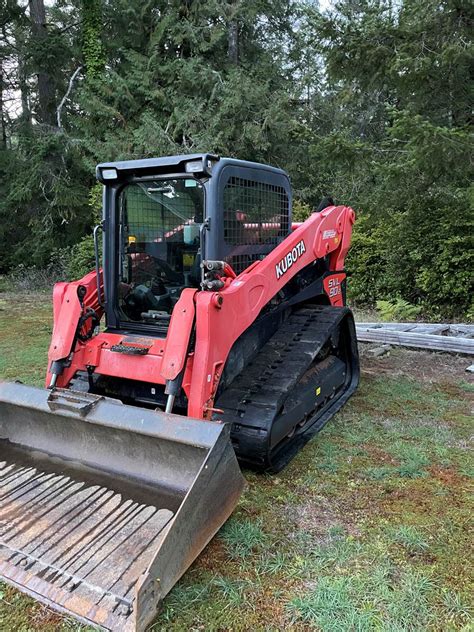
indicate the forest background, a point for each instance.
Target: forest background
{"x":369,"y":101}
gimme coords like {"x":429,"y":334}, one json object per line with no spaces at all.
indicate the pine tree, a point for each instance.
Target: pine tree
{"x":399,"y":83}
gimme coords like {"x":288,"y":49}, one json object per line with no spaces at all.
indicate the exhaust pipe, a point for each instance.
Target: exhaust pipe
{"x":104,"y":506}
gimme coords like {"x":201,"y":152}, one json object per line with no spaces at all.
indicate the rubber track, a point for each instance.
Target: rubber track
{"x":254,"y":400}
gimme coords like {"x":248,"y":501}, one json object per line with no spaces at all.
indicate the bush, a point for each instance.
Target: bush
{"x":301,"y":210}
{"x":33,"y":279}
{"x":366,"y":263}
{"x":421,"y":255}
{"x":80,"y":259}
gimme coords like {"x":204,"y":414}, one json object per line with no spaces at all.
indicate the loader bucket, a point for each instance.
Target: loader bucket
{"x":104,"y":506}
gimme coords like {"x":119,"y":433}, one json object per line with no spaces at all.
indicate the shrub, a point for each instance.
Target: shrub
{"x":301,"y":210}
{"x":366,"y":263}
{"x":34,"y":279}
{"x":80,"y":259}
{"x":397,"y":309}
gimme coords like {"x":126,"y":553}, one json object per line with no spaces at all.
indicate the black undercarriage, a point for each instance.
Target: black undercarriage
{"x":298,"y":380}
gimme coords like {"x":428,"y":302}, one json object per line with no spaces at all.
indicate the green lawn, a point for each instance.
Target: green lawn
{"x":367,"y":529}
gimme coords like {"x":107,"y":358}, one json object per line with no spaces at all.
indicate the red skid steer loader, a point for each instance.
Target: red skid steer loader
{"x":214,"y":332}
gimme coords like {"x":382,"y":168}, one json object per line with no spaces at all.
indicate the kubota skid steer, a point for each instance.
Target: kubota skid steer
{"x":225,"y":335}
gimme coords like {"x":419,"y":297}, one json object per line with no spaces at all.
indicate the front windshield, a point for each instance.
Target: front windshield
{"x":159,"y":246}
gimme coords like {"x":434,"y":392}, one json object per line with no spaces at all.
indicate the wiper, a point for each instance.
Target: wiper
{"x":165,"y":189}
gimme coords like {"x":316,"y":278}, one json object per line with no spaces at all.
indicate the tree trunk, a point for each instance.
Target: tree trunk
{"x":24,"y":93}
{"x":45,"y":84}
{"x":233,"y":42}
{"x":22,"y":77}
{"x":3,"y":127}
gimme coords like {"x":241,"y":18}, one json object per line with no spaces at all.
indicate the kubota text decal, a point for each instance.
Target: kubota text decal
{"x":289,"y":259}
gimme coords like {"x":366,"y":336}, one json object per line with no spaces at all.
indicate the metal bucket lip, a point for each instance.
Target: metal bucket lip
{"x":112,"y":413}
{"x":22,"y":585}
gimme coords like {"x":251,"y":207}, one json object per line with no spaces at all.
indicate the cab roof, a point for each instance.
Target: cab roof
{"x":175,"y":164}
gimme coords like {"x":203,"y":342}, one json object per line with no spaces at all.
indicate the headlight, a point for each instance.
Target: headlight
{"x":109,"y":174}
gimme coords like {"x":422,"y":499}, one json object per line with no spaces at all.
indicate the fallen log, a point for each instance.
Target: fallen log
{"x":451,"y":344}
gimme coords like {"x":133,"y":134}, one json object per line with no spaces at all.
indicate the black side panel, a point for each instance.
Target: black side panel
{"x":250,"y":343}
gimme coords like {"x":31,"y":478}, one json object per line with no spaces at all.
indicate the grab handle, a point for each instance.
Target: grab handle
{"x":97,"y":262}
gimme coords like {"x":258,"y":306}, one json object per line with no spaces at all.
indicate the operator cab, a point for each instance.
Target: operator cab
{"x":164,"y":216}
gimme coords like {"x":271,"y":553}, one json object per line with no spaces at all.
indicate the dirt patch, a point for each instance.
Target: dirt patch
{"x":318,"y":515}
{"x":41,"y":616}
{"x":428,"y":366}
{"x":447,"y":475}
{"x":380,"y":456}
{"x":213,"y":557}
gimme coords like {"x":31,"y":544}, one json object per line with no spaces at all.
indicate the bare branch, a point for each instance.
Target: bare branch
{"x":68,"y":92}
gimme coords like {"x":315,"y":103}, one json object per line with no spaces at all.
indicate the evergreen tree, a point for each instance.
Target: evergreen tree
{"x":398,"y":81}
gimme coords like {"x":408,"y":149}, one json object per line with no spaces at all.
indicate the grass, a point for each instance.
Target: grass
{"x":242,"y":538}
{"x":25,"y":331}
{"x":367,"y":529}
{"x":362,"y":603}
{"x":410,"y":538}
